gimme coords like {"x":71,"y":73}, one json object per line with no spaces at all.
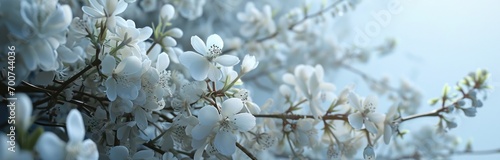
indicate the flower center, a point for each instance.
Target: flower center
{"x":213,"y":51}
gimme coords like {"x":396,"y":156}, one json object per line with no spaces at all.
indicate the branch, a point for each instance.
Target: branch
{"x":250,"y":155}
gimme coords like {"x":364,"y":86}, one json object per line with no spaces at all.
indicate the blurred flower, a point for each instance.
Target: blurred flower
{"x":190,"y":9}
{"x":255,"y":21}
{"x":50,"y":147}
{"x":369,"y":153}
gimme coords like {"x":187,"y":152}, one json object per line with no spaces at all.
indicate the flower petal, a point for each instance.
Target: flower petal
{"x":130,"y":65}
{"x":75,"y":126}
{"x":208,"y":116}
{"x":111,"y":89}
{"x":244,"y":121}
{"x":92,"y":12}
{"x":370,"y":126}
{"x":227,"y":60}
{"x":23,"y":111}
{"x":197,"y":65}
{"x":231,"y":106}
{"x":354,"y":101}
{"x":387,"y":133}
{"x":199,"y":132}
{"x":356,"y":120}
{"x":162,"y":62}
{"x":198,"y":45}
{"x":49,"y":146}
{"x":214,"y":73}
{"x":215,"y":40}
{"x":88,"y":151}
{"x":225,"y":143}
{"x":118,"y":152}
{"x":376,"y":117}
{"x":108,"y":65}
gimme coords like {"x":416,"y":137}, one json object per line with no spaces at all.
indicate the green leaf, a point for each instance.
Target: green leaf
{"x":33,"y":138}
{"x":433,"y":101}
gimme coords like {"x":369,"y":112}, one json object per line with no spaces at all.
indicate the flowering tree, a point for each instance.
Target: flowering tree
{"x":172,"y":79}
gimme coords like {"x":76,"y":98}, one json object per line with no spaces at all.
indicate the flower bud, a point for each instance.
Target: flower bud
{"x":175,"y":32}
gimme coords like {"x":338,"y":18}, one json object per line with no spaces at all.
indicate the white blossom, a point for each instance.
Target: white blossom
{"x":49,"y":146}
{"x":203,"y":64}
{"x":108,"y":10}
{"x":226,"y":124}
{"x":365,"y":114}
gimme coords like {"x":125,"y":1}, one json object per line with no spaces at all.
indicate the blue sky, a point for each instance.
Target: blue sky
{"x":440,"y":41}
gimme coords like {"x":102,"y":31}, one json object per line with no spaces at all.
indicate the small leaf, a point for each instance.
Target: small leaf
{"x":33,"y":138}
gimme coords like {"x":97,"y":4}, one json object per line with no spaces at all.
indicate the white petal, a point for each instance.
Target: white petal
{"x":189,"y":57}
{"x":199,"y":132}
{"x":231,"y":106}
{"x":244,"y":121}
{"x":162,"y":62}
{"x":208,"y":116}
{"x":198,"y":45}
{"x":197,"y":65}
{"x":23,"y":111}
{"x":49,"y":146}
{"x":111,"y":88}
{"x":168,"y":41}
{"x":376,"y":117}
{"x":354,"y":101}
{"x":108,"y":65}
{"x":387,"y":133}
{"x":215,"y":40}
{"x":227,"y":60}
{"x":130,"y":65}
{"x":120,"y":7}
{"x":225,"y":143}
{"x":214,"y":73}
{"x":356,"y":120}
{"x":118,"y":152}
{"x":88,"y":151}
{"x":92,"y":12}
{"x":75,"y":126}
{"x":141,"y":118}
{"x":370,"y":126}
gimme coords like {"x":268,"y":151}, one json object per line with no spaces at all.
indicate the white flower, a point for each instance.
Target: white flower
{"x":203,"y":63}
{"x":106,"y":9}
{"x":249,"y":63}
{"x":249,"y":105}
{"x":226,"y":124}
{"x":50,"y":147}
{"x":365,"y":114}
{"x":305,"y":134}
{"x":308,"y":82}
{"x":256,"y":21}
{"x":124,"y":80}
